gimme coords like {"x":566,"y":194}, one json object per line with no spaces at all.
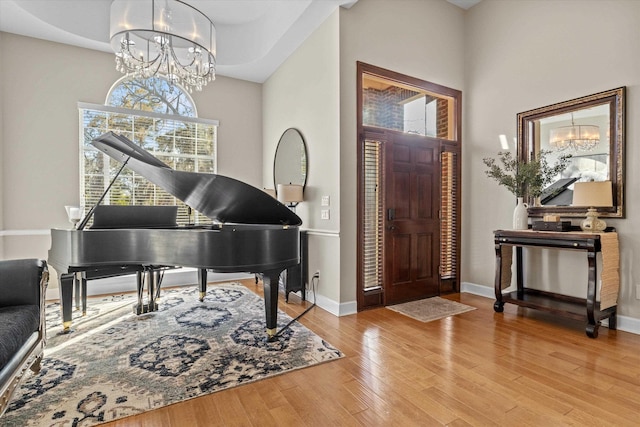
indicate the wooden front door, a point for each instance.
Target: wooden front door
{"x":412,"y":225}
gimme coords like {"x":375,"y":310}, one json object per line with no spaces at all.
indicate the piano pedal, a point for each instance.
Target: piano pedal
{"x":139,"y":309}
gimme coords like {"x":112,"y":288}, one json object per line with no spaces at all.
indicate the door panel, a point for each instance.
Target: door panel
{"x":425,"y":256}
{"x":424,"y":196}
{"x":402,"y":154}
{"x":413,"y":233}
{"x":401,"y":268}
{"x":401,"y":188}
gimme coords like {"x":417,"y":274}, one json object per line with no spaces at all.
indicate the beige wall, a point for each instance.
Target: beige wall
{"x":527,"y":54}
{"x":1,"y":149}
{"x":422,"y":39}
{"x":40,"y":85}
{"x":304,"y":94}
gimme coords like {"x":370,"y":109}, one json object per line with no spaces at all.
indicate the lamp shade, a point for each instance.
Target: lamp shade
{"x":592,"y":194}
{"x":289,"y":193}
{"x":271,"y":192}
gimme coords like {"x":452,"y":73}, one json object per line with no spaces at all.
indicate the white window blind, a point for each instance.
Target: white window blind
{"x":183,"y":143}
{"x":373,"y":217}
{"x":449,"y":220}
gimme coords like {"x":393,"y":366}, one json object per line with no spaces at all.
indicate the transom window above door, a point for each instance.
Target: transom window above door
{"x":401,"y":107}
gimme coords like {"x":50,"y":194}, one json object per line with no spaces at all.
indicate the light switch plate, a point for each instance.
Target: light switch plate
{"x":325,"y":201}
{"x":324,"y":214}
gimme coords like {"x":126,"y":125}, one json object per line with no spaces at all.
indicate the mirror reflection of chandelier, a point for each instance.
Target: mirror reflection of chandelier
{"x":574,"y":137}
{"x":163,"y":37}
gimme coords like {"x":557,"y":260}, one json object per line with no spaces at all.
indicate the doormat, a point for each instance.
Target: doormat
{"x":429,"y":309}
{"x":128,"y":364}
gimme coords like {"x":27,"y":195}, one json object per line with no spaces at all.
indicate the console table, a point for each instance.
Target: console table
{"x":577,"y":308}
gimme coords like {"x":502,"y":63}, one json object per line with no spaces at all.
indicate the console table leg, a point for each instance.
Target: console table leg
{"x":613,"y":321}
{"x":519,"y":272}
{"x":593,"y":324}
{"x":498,"y":306}
{"x":592,"y":330}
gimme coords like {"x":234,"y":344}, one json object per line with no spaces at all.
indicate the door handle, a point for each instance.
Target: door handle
{"x":391,"y":214}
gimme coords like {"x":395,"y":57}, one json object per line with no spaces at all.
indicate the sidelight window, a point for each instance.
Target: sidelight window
{"x":373,"y":219}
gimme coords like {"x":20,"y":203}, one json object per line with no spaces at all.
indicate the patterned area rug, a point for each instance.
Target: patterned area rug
{"x":428,"y":309}
{"x":116,"y":364}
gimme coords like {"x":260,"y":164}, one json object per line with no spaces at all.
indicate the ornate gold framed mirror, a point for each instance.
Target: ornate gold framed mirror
{"x":591,"y":130}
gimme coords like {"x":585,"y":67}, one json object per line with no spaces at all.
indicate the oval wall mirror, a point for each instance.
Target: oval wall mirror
{"x":591,"y":130}
{"x":290,"y":161}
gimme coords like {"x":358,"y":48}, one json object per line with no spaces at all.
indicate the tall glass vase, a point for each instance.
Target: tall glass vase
{"x":521,"y":215}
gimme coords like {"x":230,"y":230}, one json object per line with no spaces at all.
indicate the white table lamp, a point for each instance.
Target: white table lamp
{"x":290,"y":194}
{"x":74,"y":213}
{"x":591,"y":195}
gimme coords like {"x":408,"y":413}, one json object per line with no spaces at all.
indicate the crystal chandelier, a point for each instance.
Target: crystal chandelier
{"x":575,"y":137}
{"x":163,"y":37}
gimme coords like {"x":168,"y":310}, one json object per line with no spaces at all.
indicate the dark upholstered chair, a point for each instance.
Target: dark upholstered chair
{"x":23,"y":284}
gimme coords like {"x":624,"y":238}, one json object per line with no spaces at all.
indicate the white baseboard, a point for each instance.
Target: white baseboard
{"x":625,"y":323}
{"x":472,"y":288}
{"x":333,"y":307}
{"x":178,"y":277}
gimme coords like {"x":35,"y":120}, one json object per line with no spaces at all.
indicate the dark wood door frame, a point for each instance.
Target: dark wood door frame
{"x":375,"y":297}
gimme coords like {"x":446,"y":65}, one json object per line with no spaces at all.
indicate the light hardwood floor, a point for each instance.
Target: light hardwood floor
{"x":480,"y":368}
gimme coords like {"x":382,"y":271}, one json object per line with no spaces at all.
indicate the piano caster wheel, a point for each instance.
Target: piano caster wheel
{"x":271,"y":334}
{"x":202,"y":295}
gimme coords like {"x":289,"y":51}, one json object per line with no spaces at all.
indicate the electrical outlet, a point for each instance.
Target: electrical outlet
{"x":324,"y":214}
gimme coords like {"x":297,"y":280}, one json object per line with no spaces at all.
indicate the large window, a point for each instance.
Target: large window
{"x":159,"y":117}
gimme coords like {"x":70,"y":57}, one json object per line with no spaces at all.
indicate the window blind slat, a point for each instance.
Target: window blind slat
{"x":184,"y":143}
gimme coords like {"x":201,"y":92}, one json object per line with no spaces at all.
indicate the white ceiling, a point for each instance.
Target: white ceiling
{"x":253,"y":36}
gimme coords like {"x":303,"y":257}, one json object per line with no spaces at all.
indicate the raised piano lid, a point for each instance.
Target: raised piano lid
{"x":219,"y":197}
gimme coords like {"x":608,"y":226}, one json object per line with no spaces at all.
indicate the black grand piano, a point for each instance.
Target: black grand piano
{"x":252,"y":232}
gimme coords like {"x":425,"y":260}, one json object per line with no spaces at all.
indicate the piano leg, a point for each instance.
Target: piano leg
{"x":66,"y":300}
{"x":202,"y":282}
{"x":270,"y":281}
